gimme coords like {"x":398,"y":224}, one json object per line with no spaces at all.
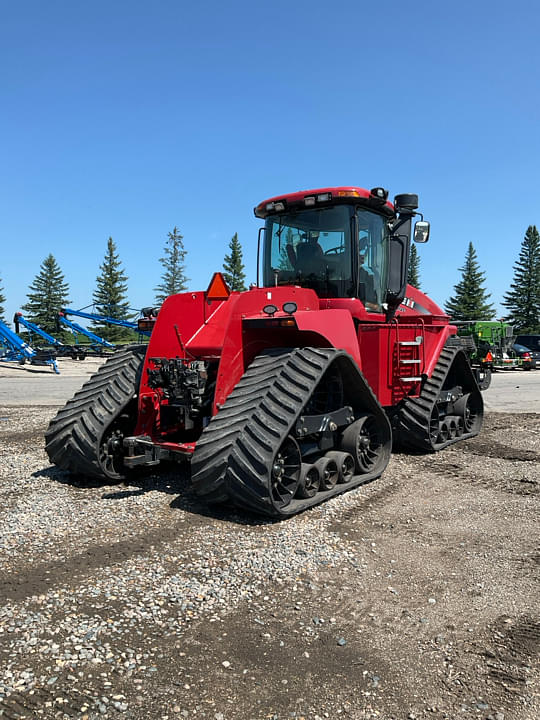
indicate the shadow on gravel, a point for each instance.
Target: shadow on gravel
{"x":174,"y":480}
{"x":81,"y":482}
{"x":190,"y":503}
{"x":495,"y":449}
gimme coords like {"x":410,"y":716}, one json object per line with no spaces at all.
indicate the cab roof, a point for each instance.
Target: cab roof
{"x":320,"y":197}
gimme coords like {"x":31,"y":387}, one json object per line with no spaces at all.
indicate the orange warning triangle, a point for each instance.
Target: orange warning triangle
{"x":217,"y":290}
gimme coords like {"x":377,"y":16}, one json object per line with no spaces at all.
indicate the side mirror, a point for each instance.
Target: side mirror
{"x":421,"y":231}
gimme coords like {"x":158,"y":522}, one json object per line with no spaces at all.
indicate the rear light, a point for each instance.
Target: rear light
{"x":310,"y":200}
{"x":290,"y":308}
{"x":379,"y":193}
{"x":275,"y":207}
{"x":145,"y":324}
{"x":270,"y":322}
{"x":348,"y":193}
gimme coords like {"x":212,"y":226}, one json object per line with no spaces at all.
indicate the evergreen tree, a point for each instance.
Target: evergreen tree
{"x":470,"y":301}
{"x":523,"y":298}
{"x":413,"y":273}
{"x":2,"y":300}
{"x":233,"y":268}
{"x":48,"y":294}
{"x":110,"y":295}
{"x":174,"y":278}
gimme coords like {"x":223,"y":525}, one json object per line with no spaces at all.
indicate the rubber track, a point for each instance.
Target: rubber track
{"x":73,"y":438}
{"x":234,"y":454}
{"x":414,"y":416}
{"x":211,"y":457}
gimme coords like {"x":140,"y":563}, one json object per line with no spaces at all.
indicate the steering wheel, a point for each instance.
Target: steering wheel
{"x":338,"y":250}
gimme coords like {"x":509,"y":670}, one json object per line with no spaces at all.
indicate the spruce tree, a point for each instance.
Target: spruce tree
{"x":48,"y":294}
{"x":413,"y":273}
{"x":523,"y":298}
{"x":470,"y":301}
{"x":2,"y":300}
{"x":174,"y":278}
{"x":233,"y":268}
{"x":110,"y":295}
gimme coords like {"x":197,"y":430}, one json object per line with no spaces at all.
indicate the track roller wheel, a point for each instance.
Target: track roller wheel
{"x":434,"y":426}
{"x":345,"y":463}
{"x":470,"y":408}
{"x":285,"y":474}
{"x":310,"y":480}
{"x":328,"y":470}
{"x":369,"y":443}
{"x":444,"y":432}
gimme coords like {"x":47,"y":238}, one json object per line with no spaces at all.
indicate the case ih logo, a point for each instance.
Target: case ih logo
{"x":412,"y":305}
{"x":408,"y":303}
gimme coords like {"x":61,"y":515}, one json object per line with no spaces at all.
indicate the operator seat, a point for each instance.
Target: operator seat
{"x":309,"y":258}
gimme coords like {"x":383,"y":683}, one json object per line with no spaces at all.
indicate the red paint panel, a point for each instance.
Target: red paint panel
{"x":240,"y":346}
{"x":382,"y":355}
{"x":336,"y":327}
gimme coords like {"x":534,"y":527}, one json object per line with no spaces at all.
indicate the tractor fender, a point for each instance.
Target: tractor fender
{"x":335,"y":328}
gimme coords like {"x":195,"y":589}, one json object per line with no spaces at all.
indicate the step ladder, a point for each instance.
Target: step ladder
{"x":410,"y":357}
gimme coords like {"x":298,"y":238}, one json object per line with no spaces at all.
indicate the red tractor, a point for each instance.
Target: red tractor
{"x":294,"y":391}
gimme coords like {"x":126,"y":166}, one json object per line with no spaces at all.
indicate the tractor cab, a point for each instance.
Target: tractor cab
{"x":340,"y":242}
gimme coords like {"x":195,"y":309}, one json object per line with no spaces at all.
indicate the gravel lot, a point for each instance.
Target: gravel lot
{"x":416,"y":596}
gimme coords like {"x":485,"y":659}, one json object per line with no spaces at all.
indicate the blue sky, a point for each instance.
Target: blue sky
{"x":125,"y":119}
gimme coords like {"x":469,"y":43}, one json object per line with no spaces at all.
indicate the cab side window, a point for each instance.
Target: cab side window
{"x":371,"y":260}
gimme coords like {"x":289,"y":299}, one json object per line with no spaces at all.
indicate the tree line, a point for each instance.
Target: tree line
{"x":470,"y":300}
{"x":49,"y":292}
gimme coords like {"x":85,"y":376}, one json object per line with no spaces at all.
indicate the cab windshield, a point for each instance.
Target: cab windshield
{"x":316,"y":249}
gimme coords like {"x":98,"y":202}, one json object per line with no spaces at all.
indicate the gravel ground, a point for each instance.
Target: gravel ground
{"x":415,"y":596}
